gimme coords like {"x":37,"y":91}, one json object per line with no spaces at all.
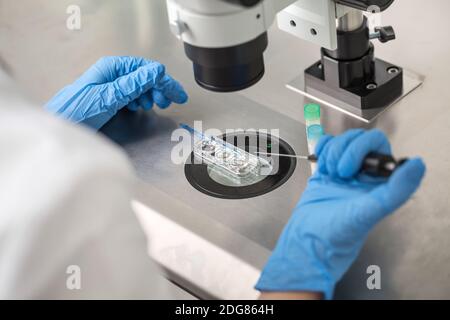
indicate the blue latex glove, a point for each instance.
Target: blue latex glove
{"x":335,"y":214}
{"x":113,"y":83}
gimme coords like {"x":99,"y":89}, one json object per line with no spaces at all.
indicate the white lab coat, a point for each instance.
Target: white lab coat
{"x":65,"y":201}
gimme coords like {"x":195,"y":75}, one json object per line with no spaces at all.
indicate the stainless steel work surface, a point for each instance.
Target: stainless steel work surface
{"x":411,"y":247}
{"x":147,"y":139}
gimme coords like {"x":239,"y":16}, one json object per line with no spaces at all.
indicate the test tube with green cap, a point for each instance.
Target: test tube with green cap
{"x":312,"y":114}
{"x":315,"y":132}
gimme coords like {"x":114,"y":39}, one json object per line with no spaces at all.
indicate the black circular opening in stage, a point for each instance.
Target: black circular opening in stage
{"x":199,"y":177}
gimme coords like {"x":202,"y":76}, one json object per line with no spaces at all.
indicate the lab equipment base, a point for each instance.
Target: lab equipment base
{"x":329,"y":97}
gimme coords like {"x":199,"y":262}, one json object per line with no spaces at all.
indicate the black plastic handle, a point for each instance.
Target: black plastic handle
{"x":380,"y":165}
{"x":376,"y":164}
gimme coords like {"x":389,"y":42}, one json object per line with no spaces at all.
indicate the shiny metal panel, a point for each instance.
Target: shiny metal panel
{"x":411,"y":247}
{"x":411,"y":82}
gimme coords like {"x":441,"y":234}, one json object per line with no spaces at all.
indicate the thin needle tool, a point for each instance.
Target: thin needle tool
{"x":375,"y":164}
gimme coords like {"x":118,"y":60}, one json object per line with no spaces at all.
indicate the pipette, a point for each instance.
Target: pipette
{"x":311,"y":158}
{"x":375,"y":164}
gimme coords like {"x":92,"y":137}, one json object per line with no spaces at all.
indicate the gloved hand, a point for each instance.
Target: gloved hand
{"x":335,"y":214}
{"x":113,"y":83}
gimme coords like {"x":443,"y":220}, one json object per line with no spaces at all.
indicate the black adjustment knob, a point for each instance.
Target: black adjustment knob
{"x":385,"y":34}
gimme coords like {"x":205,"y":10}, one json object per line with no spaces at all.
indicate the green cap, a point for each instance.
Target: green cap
{"x":315,"y":132}
{"x":312,"y":112}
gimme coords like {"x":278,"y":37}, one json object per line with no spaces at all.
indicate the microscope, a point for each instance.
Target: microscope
{"x":226,"y":39}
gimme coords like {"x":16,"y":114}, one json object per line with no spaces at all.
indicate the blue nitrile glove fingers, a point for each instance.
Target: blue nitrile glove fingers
{"x":130,"y":87}
{"x":387,"y":197}
{"x":108,"y":69}
{"x":350,"y":161}
{"x":331,"y":151}
{"x":160,"y":100}
{"x":146,"y":101}
{"x":113,"y":83}
{"x":133,"y":105}
{"x":322,"y":143}
{"x":401,"y":186}
{"x":172,"y":89}
{"x":336,"y":212}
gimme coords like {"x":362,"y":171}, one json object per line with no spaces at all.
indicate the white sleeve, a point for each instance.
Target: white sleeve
{"x":65,"y":207}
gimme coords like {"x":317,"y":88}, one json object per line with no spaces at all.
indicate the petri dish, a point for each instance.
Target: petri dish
{"x":245,"y":177}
